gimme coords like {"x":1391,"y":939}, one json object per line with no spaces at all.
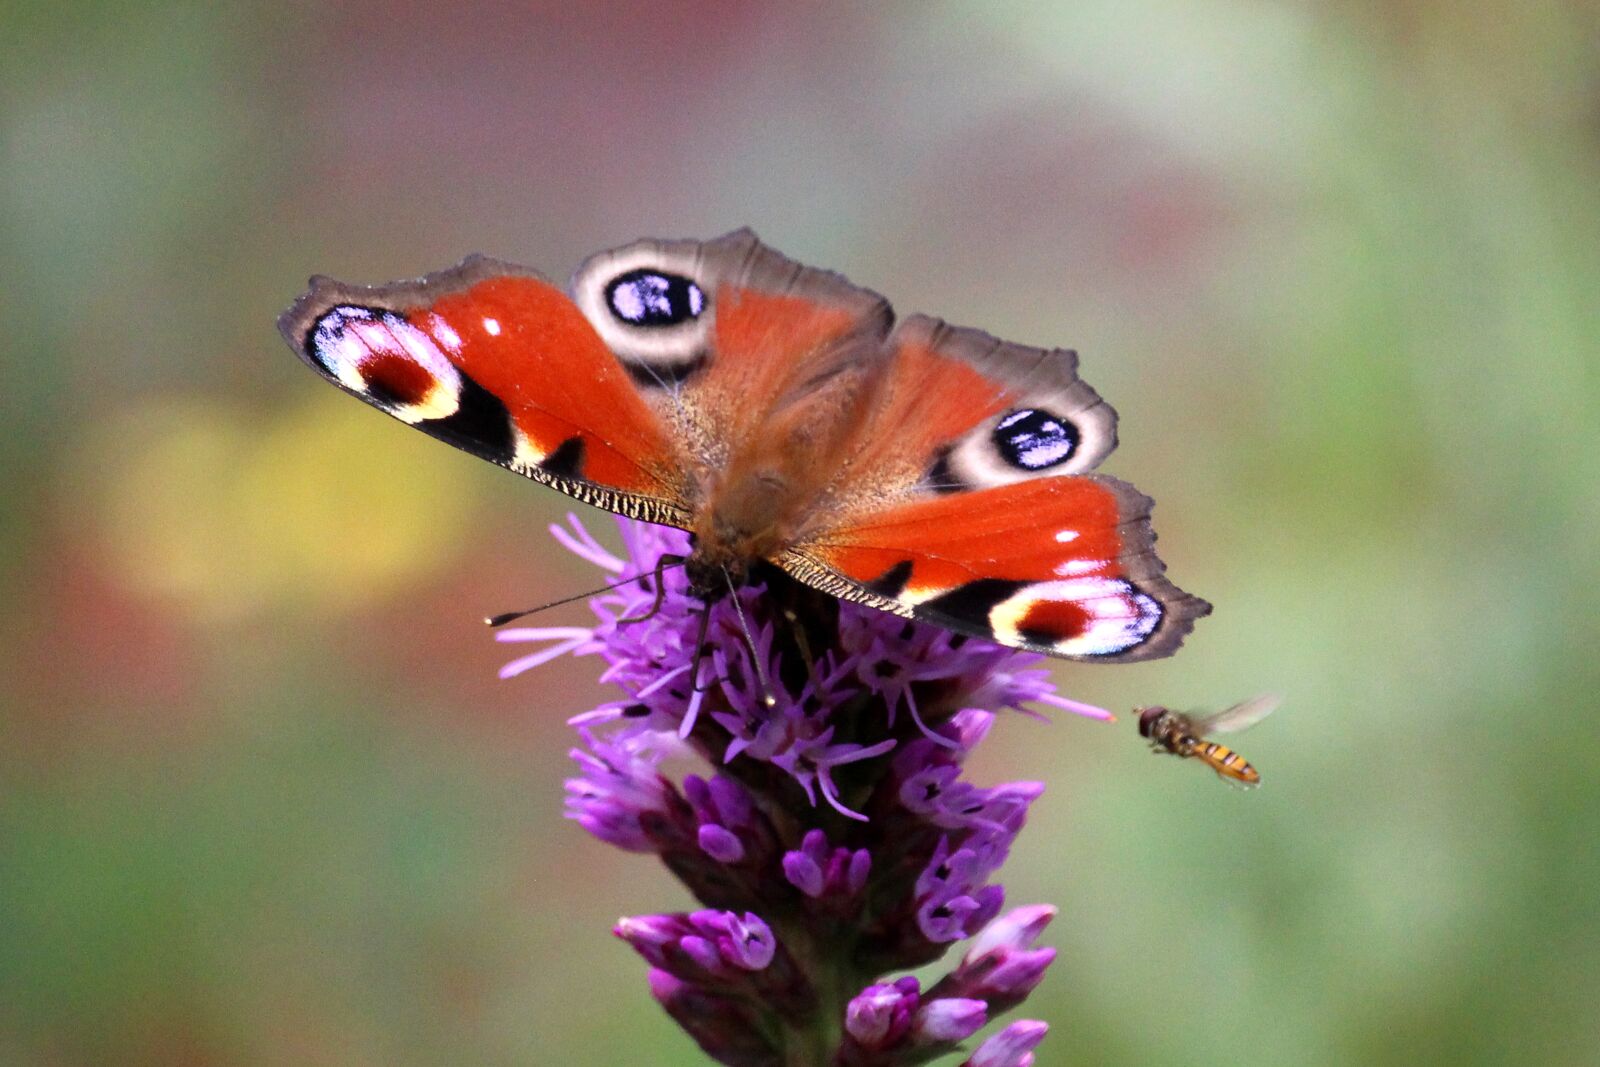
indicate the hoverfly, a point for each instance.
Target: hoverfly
{"x":1185,"y":735}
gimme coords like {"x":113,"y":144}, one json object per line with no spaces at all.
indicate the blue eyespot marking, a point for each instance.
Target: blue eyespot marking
{"x":651,"y":298}
{"x":1034,"y":440}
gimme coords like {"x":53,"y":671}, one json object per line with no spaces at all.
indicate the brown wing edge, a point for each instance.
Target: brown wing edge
{"x":741,"y":258}
{"x":1023,"y":368}
{"x":1147,"y":572}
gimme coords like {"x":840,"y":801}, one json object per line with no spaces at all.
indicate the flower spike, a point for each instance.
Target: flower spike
{"x":836,"y":840}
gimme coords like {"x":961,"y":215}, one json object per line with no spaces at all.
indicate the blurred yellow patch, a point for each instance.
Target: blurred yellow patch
{"x":321,"y":507}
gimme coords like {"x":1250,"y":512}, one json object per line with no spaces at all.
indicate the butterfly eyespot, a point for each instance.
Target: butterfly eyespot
{"x":1083,"y":617}
{"x":653,"y":298}
{"x":652,"y":306}
{"x":1024,"y":442}
{"x":1034,"y":440}
{"x":399,"y":365}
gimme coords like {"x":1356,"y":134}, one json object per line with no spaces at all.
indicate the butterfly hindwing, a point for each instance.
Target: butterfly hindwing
{"x":964,"y":410}
{"x":731,"y":341}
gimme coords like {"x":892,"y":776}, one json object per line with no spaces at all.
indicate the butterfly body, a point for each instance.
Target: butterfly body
{"x":757,"y":502}
{"x":780,"y":414}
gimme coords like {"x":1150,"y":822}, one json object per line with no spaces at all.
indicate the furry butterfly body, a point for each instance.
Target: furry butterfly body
{"x":779,"y":414}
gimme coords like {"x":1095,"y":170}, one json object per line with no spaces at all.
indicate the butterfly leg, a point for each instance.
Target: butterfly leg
{"x":801,"y":642}
{"x":700,"y":651}
{"x":694,"y":672}
{"x":668,"y":559}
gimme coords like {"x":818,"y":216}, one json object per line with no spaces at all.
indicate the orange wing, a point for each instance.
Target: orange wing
{"x":1061,"y":565}
{"x":958,"y":410}
{"x":767,"y":355}
{"x":495,"y":360}
{"x":969,"y":504}
{"x":666,"y":368}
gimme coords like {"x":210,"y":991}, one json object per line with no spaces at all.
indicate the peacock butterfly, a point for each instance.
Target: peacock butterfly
{"x":777,"y":412}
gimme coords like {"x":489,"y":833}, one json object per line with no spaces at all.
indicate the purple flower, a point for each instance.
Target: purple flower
{"x":895,"y":1022}
{"x":833,"y":839}
{"x":712,"y":942}
{"x":1011,"y":1047}
{"x":736,"y":957}
{"x":730,"y":830}
{"x":727,"y":1030}
{"x":950,"y":1019}
{"x":1001,"y":966}
{"x":817,"y":870}
{"x":879,"y":1017}
{"x":619,"y":793}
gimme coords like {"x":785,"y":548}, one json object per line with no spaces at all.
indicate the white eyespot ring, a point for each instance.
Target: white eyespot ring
{"x":1036,"y":437}
{"x":649,"y":304}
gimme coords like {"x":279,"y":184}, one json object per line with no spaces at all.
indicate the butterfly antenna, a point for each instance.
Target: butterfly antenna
{"x":663,"y":564}
{"x":750,"y":643}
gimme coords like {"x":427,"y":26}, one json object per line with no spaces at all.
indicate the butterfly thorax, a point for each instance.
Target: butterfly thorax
{"x":754,"y":504}
{"x":739,"y":523}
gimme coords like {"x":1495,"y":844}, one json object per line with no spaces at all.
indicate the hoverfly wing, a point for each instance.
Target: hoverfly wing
{"x":1241,"y":716}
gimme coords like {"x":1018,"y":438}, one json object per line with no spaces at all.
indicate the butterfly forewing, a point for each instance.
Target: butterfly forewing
{"x":752,"y":332}
{"x":761,"y":371}
{"x":1057,"y":565}
{"x":969,"y":506}
{"x":495,"y":360}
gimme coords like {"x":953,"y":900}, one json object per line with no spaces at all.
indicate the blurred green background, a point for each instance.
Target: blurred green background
{"x":262,"y":800}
